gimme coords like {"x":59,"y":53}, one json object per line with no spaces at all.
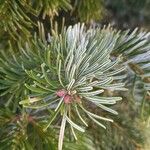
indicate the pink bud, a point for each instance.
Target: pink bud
{"x":67,"y":99}
{"x":61,"y":93}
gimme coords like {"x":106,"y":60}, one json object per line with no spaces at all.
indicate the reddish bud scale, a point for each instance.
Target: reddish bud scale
{"x":67,"y":99}
{"x":61,"y":93}
{"x":77,"y":99}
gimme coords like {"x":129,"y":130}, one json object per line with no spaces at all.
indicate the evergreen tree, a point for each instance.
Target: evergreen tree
{"x":71,"y":87}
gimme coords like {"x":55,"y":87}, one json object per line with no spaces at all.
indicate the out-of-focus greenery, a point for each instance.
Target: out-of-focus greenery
{"x":128,"y":13}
